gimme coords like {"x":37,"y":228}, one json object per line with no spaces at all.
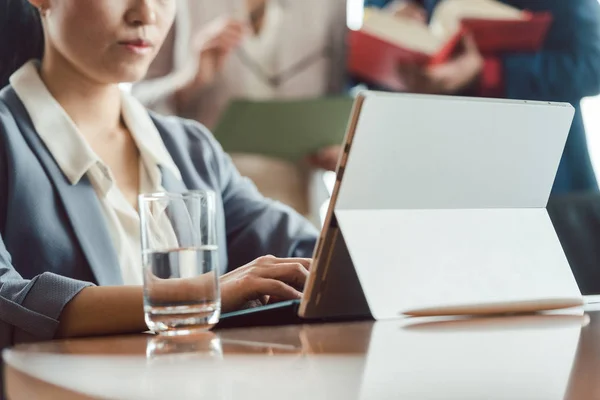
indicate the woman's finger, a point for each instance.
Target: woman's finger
{"x":274,"y":288}
{"x":268,"y":261}
{"x":293,"y":274}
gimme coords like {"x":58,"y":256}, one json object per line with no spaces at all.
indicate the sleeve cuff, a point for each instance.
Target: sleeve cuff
{"x":40,"y":310}
{"x":492,"y":78}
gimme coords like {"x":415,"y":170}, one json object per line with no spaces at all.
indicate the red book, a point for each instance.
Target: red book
{"x":385,"y":41}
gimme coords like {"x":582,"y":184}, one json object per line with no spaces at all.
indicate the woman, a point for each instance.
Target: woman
{"x":75,"y":151}
{"x":252,"y":49}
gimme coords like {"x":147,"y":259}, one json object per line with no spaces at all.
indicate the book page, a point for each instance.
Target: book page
{"x":446,"y":17}
{"x":402,"y":32}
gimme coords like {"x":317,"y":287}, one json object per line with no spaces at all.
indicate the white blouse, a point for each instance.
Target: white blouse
{"x":76,"y":159}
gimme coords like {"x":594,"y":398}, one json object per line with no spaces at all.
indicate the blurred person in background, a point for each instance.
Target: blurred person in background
{"x":258,"y":50}
{"x":567,"y":69}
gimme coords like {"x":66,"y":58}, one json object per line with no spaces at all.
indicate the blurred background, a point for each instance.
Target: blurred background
{"x":591,"y":113}
{"x":274,"y":79}
{"x":591,"y":118}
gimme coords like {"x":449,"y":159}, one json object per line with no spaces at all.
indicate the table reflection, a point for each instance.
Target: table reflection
{"x":520,"y":357}
{"x":524,"y":357}
{"x":163,"y":348}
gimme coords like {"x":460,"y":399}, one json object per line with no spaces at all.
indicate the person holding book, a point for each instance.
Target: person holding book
{"x":257,"y":50}
{"x":251,"y":49}
{"x":75,"y":152}
{"x":567,"y":69}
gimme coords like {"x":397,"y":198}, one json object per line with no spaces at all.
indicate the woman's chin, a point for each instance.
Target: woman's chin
{"x":129,"y":73}
{"x":132,"y":77}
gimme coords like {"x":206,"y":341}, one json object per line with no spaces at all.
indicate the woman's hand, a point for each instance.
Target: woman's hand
{"x":263,"y":280}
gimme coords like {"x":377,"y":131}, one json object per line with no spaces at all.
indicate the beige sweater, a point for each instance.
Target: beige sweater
{"x":314,"y":33}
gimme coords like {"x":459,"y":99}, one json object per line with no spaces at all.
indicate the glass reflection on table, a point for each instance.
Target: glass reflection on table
{"x":173,"y":348}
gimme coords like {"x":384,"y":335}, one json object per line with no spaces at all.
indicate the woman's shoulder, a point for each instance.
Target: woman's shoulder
{"x":7,"y":121}
{"x":185,"y":131}
{"x":11,"y":109}
{"x":187,"y":140}
{"x":7,"y":96}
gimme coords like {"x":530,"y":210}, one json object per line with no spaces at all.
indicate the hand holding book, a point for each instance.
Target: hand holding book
{"x":451,"y":77}
{"x":409,"y":10}
{"x":389,"y":38}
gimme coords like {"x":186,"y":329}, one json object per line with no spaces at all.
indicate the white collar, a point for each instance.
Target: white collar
{"x":59,"y":133}
{"x":146,"y":135}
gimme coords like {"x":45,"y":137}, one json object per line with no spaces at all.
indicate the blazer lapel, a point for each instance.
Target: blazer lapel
{"x":81,"y":205}
{"x":171,"y":183}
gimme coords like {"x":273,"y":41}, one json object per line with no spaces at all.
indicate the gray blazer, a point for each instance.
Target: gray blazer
{"x":54,"y":240}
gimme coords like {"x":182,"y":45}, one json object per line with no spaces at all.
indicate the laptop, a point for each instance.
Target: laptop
{"x":439,"y":208}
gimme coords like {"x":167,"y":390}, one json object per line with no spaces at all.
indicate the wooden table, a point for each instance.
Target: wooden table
{"x":521,"y":357}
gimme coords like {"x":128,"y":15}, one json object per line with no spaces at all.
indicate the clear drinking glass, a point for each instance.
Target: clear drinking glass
{"x":180,"y":261}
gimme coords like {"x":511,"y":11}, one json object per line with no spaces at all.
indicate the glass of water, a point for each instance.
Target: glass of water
{"x":179,"y":256}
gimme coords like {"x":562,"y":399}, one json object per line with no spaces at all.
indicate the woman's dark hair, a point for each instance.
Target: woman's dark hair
{"x":21,"y":36}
